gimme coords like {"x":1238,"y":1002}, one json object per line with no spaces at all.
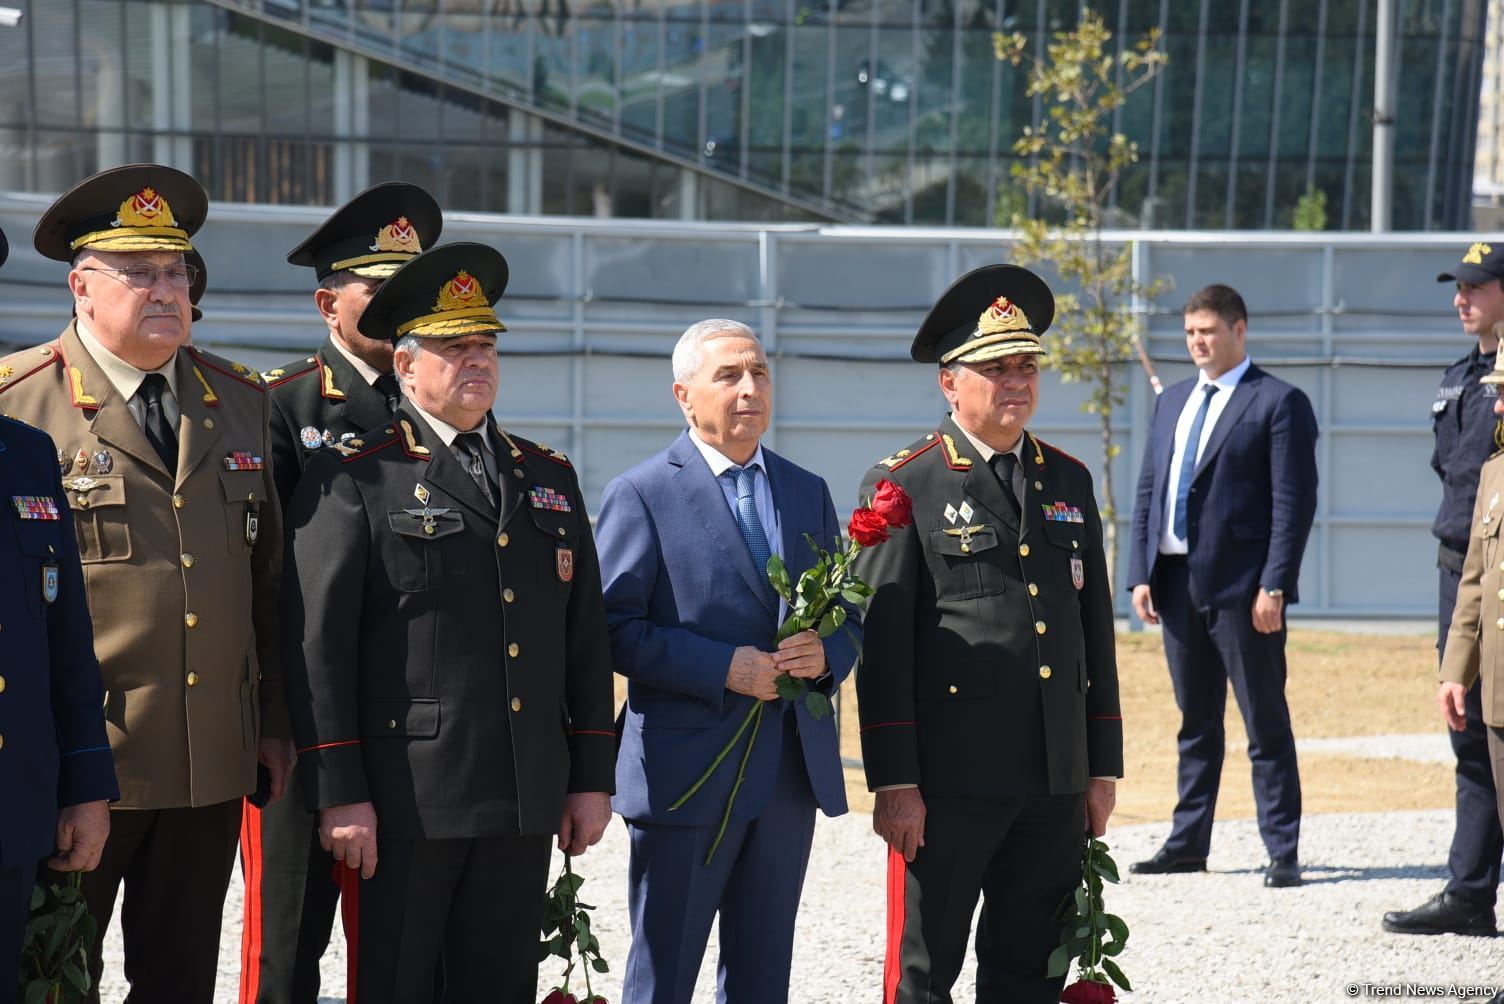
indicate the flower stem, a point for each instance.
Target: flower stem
{"x":752,"y":712}
{"x":741,"y":775}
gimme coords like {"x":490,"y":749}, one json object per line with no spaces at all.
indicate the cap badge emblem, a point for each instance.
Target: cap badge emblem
{"x":1475,"y":254}
{"x":1002,"y":316}
{"x":398,"y":236}
{"x":145,"y":209}
{"x":459,"y":293}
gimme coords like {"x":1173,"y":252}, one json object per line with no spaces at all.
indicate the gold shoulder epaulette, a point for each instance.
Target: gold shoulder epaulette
{"x":237,"y":371}
{"x":354,"y":449}
{"x":282,"y":374}
{"x":23,"y":365}
{"x":541,"y":449}
{"x":1039,"y":453}
{"x":908,"y":454}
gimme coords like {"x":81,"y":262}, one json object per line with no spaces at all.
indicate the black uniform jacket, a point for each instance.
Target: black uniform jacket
{"x":1467,"y":433}
{"x":51,"y":698}
{"x":324,"y":393}
{"x":450,"y":666}
{"x":988,"y":663}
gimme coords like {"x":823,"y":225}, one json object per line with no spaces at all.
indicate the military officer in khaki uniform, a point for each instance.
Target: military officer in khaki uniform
{"x":1475,"y":641}
{"x":164,"y":453}
{"x":448,"y":667}
{"x":988,"y":689}
{"x":345,"y":388}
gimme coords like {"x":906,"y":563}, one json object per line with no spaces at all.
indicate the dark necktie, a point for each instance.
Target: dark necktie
{"x":158,"y":431}
{"x":1002,"y":465}
{"x":1188,"y":462}
{"x":386,"y":385}
{"x":470,"y":444}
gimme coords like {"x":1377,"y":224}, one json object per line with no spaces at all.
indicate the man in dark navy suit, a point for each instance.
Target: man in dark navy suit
{"x":1224,"y":505}
{"x":57,"y":777}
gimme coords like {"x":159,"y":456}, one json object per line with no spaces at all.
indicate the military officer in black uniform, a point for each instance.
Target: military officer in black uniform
{"x":342,"y":390}
{"x":1467,"y":433}
{"x":988,"y":690}
{"x":57,"y":777}
{"x":447,"y":654}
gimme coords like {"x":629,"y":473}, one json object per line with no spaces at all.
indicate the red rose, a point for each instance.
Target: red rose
{"x":597,"y":999}
{"x":559,"y":997}
{"x":890,"y":502}
{"x":1089,"y":992}
{"x":867,"y":527}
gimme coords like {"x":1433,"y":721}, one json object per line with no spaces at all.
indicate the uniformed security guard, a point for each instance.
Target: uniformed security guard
{"x":448,"y":665}
{"x":163,"y":449}
{"x":1467,"y":431}
{"x":345,"y":388}
{"x":1473,"y":658}
{"x":988,"y":689}
{"x":56,"y":775}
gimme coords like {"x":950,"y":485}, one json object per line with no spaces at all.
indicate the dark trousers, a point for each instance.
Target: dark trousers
{"x":175,"y":865}
{"x":753,"y":884}
{"x":291,"y":893}
{"x":1477,"y":840}
{"x":15,"y":906}
{"x":1496,"y":755}
{"x":1023,"y":857}
{"x":474,"y":906}
{"x":1206,"y":649}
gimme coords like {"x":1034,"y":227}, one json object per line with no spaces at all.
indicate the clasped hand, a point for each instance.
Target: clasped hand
{"x":754,"y":672}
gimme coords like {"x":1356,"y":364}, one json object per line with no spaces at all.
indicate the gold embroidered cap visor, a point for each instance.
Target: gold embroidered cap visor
{"x":988,"y":313}
{"x":137,"y":207}
{"x":374,"y":234}
{"x":445,"y":292}
{"x":1482,"y":262}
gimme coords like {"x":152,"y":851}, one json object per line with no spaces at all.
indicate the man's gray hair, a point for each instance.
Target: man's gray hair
{"x":688,"y":354}
{"x":412,"y":345}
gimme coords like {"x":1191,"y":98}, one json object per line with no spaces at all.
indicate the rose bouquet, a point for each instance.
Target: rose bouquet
{"x":820,"y":601}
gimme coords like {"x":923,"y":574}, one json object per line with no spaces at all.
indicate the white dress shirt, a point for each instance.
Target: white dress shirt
{"x":126,"y":379}
{"x":1227,"y":385}
{"x":987,"y":453}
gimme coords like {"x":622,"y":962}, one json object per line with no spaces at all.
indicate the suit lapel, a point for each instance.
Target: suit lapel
{"x":508,"y":458}
{"x":363,"y":406}
{"x":704,"y":497}
{"x":980,"y":482}
{"x":197,"y":433}
{"x":1243,"y":395}
{"x":444,"y":471}
{"x":111,"y":420}
{"x":793,"y":516}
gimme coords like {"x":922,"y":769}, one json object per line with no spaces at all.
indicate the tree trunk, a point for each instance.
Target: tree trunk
{"x":1109,"y":497}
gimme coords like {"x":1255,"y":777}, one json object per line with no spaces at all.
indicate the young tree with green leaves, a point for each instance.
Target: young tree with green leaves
{"x":1071,"y":164}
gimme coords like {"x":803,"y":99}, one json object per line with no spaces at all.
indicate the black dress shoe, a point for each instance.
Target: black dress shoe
{"x":1165,"y":863}
{"x":1443,"y":914}
{"x":1282,"y":874}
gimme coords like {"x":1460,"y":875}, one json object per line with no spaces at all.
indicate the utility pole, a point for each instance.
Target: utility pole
{"x":1383,"y":120}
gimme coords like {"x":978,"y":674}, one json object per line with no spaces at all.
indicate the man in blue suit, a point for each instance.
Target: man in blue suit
{"x":1225,"y":500}
{"x":56,"y":773}
{"x":684,"y":541}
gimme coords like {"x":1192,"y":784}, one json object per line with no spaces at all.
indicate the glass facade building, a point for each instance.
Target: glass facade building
{"x":886,"y":111}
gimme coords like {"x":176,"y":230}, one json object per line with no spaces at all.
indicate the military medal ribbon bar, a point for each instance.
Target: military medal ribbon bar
{"x":242,"y":461}
{"x":35,"y":507}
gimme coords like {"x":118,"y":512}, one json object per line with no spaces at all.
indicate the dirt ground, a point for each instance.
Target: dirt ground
{"x":1339,"y":685}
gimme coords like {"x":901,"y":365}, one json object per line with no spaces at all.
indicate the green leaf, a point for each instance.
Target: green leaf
{"x":1116,"y":974}
{"x":599,"y":965}
{"x":778,"y":576}
{"x":38,"y":897}
{"x":1083,"y":905}
{"x":571,"y":883}
{"x":817,"y":704}
{"x":36,"y":992}
{"x":76,"y":977}
{"x":1116,"y":925}
{"x":832,"y":621}
{"x":1060,"y":961}
{"x":789,"y":688}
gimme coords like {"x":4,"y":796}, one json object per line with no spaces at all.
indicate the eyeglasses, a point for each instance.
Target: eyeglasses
{"x":145,"y":276}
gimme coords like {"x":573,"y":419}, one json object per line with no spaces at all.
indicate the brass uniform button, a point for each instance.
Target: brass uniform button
{"x":208,"y":423}
{"x":1500,"y":623}
{"x":83,"y":501}
{"x":2,"y":684}
{"x":191,"y":619}
{"x":1033,"y":589}
{"x":1501,"y":594}
{"x":391,"y":723}
{"x":193,"y":679}
{"x":1074,"y":544}
{"x":952,"y":688}
{"x":561,"y":531}
{"x":250,"y":497}
{"x":518,"y":471}
{"x":509,"y":596}
{"x":1039,"y":627}
{"x":502,"y":540}
{"x":178,"y":501}
{"x":965,"y":548}
{"x":1044,"y":672}
{"x":2,"y":742}
{"x":1023,"y":550}
{"x":1039,"y":486}
{"x":516,"y":704}
{"x":187,"y":561}
{"x":513,"y":650}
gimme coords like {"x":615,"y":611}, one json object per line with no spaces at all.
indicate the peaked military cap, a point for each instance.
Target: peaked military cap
{"x":1481,"y":263}
{"x":373,"y":234}
{"x":993,"y":311}
{"x":443,"y":293}
{"x":138,"y":207}
{"x":200,"y":281}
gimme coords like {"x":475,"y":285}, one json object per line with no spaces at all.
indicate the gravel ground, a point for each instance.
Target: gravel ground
{"x":1220,"y":936}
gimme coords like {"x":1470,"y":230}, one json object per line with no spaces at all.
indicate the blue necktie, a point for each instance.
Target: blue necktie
{"x":747,"y":520}
{"x":1188,"y":461}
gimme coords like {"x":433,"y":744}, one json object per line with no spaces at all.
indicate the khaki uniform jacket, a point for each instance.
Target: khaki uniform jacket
{"x":181,"y":568}
{"x":1475,"y":643}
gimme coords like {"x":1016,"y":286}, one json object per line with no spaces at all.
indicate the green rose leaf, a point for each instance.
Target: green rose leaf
{"x":817,"y":704}
{"x":1116,"y":974}
{"x":778,"y":577}
{"x":1060,"y":961}
{"x":789,"y":688}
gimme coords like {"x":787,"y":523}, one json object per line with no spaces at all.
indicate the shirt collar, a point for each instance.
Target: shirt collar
{"x":125,"y":378}
{"x":986,"y":452}
{"x":1227,"y":381}
{"x":367,"y":372}
{"x":444,"y":430}
{"x":719,"y":462}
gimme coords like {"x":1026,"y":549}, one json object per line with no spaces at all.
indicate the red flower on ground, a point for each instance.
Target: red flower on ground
{"x":895,"y":507}
{"x":867,"y":527}
{"x":1089,"y":992}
